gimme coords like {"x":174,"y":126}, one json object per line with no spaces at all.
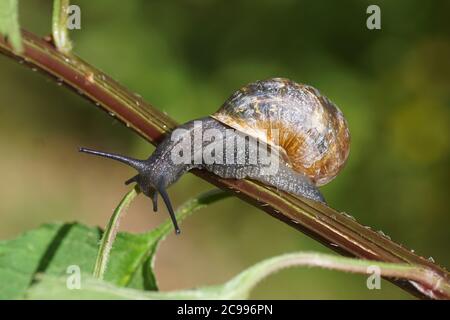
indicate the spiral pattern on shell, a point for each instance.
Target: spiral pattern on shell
{"x":306,"y":127}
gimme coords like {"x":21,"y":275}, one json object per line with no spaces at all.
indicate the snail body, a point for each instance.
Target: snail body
{"x":304,"y":131}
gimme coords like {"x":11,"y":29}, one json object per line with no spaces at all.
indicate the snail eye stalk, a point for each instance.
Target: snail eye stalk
{"x":134,"y":163}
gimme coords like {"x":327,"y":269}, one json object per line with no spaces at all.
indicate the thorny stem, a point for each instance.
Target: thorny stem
{"x":332,"y":228}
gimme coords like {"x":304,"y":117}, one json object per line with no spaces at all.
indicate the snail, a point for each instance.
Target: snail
{"x":304,"y":131}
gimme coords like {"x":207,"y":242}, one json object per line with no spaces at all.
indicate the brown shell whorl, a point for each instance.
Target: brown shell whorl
{"x":312,"y":131}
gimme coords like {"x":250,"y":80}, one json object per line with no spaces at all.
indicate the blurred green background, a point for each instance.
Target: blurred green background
{"x":186,"y":58}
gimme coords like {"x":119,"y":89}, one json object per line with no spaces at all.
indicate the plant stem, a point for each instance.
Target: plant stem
{"x":9,"y":24}
{"x":332,"y":228}
{"x":109,"y":235}
{"x":240,"y":286}
{"x":59,"y":26}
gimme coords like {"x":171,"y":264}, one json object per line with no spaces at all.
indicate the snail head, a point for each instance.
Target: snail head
{"x":148,"y":183}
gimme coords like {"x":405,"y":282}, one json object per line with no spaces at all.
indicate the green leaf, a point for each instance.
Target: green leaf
{"x":241,"y":285}
{"x":9,"y":23}
{"x":21,"y":257}
{"x":52,"y":249}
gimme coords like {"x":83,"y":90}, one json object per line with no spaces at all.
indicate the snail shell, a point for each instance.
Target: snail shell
{"x":305,"y":127}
